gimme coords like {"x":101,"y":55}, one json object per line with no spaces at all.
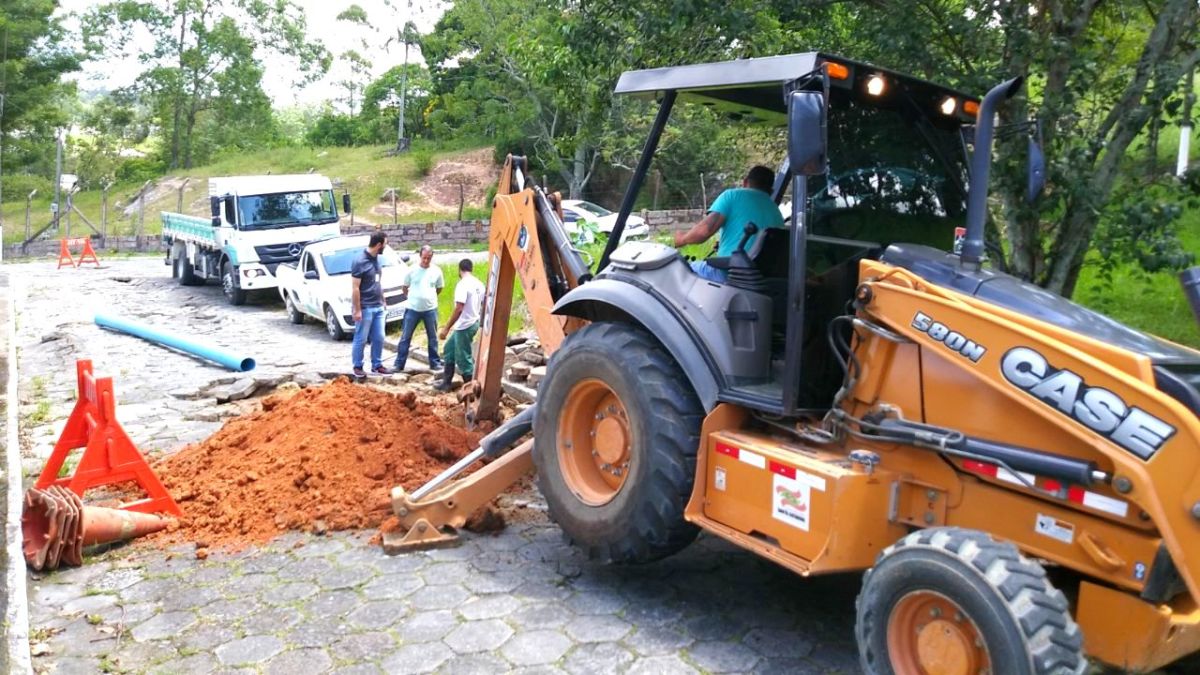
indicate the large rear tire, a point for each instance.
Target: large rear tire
{"x":956,"y":601}
{"x":185,"y":272}
{"x":618,"y":427}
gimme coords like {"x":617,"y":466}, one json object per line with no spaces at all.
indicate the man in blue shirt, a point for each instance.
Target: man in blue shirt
{"x":367,"y":306}
{"x":732,"y":211}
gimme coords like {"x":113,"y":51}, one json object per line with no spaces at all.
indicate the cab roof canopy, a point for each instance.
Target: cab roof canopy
{"x":753,"y":89}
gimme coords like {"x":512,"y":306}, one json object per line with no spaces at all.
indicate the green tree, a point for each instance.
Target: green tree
{"x":543,"y":73}
{"x":34,"y":98}
{"x":360,"y":70}
{"x":381,"y":102}
{"x":200,"y":47}
{"x":1097,"y":73}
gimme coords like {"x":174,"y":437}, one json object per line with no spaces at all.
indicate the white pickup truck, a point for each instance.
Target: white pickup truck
{"x":319,"y":284}
{"x":257,"y":223}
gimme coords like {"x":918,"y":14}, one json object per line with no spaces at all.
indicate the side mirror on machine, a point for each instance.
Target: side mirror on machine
{"x":311,"y":275}
{"x":214,"y":204}
{"x":806,"y":133}
{"x":1190,"y":280}
{"x":346,"y":203}
{"x":1035,"y":170}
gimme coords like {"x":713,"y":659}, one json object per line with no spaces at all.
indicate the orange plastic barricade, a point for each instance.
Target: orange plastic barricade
{"x":109,"y":456}
{"x":88,"y":254}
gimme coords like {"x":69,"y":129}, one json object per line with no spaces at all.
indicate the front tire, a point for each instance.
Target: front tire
{"x":951,"y":600}
{"x":233,"y":293}
{"x":294,"y":314}
{"x":332,"y":326}
{"x":618,"y":430}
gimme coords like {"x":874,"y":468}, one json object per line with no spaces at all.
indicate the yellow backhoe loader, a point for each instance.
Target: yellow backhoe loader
{"x":861,"y":394}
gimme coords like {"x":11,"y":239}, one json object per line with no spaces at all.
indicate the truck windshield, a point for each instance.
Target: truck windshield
{"x":896,"y":173}
{"x":339,"y":262}
{"x":286,"y":209}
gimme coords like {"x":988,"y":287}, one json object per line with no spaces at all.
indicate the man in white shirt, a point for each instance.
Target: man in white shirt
{"x":462,"y":326}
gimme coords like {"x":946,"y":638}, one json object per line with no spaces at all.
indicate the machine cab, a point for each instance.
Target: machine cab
{"x":871,"y":158}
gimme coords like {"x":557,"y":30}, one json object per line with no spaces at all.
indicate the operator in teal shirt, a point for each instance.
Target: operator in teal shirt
{"x":733,"y":210}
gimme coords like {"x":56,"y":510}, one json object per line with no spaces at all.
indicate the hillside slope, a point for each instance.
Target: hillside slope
{"x":366,"y":172}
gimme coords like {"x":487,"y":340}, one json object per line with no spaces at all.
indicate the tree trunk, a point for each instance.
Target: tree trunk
{"x":178,"y":112}
{"x":578,"y":171}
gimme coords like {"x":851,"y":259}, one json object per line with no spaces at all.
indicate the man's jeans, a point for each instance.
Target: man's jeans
{"x":708,"y":272}
{"x":409,"y":325}
{"x":370,"y":327}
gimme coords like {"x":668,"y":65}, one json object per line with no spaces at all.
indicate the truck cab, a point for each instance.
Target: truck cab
{"x":256,"y":224}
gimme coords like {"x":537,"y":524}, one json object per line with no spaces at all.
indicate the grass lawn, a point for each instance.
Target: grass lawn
{"x":1153,"y":303}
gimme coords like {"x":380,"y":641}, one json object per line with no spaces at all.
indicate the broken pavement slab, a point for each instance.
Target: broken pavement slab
{"x":241,"y":389}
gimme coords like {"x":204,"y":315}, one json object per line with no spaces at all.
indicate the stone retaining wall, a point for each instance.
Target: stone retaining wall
{"x":439,"y":233}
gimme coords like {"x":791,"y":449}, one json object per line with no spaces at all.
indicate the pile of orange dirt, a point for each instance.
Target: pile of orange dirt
{"x":325,"y":458}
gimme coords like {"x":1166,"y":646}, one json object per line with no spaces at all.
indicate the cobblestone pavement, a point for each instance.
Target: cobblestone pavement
{"x":520,"y":601}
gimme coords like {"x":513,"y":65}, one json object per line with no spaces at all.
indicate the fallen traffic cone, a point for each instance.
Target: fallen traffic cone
{"x":56,"y":526}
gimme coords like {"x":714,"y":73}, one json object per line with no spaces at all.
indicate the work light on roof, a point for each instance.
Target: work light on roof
{"x":875,"y":85}
{"x":949,"y":105}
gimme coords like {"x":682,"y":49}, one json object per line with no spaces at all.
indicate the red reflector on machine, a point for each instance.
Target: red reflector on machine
{"x":1095,"y":500}
{"x":727,"y":450}
{"x":1092,"y":500}
{"x":745,"y":456}
{"x":783,"y":470}
{"x":980,"y":467}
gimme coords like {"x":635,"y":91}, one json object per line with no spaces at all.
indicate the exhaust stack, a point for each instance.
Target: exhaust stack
{"x":981,"y":164}
{"x":1190,"y":280}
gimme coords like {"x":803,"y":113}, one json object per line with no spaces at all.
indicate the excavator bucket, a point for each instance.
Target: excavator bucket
{"x":434,"y":519}
{"x":432,"y":515}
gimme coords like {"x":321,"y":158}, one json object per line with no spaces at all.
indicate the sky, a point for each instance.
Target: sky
{"x":321,"y":15}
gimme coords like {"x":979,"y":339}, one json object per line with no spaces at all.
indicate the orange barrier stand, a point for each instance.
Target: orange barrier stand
{"x":109,"y":456}
{"x":88,"y":254}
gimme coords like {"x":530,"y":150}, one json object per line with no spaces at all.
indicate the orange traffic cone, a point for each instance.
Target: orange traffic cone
{"x":56,"y":526}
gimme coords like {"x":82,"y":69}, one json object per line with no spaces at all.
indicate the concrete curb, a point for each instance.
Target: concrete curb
{"x":16,"y":617}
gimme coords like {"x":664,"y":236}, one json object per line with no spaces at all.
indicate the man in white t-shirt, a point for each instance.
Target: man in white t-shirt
{"x":462,"y":326}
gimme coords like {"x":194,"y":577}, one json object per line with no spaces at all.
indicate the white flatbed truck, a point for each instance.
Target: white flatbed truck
{"x":257,"y":224}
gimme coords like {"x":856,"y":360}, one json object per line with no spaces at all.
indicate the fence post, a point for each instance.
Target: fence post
{"x":141,"y":222}
{"x":28,"y":207}
{"x":70,"y":202}
{"x":703,"y":192}
{"x":394,"y":218}
{"x":104,"y":214}
{"x":179,"y":200}
{"x":461,"y":198}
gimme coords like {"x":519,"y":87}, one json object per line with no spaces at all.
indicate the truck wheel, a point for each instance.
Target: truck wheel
{"x":956,"y":601}
{"x":234,"y":294}
{"x":332,"y":326}
{"x":184,"y":272}
{"x":618,"y":427}
{"x":294,"y":315}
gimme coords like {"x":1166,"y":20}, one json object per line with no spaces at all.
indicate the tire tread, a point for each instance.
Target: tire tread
{"x":1040,"y":610}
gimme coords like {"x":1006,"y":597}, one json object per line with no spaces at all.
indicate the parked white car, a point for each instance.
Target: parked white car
{"x":319,"y":285}
{"x":575,"y":210}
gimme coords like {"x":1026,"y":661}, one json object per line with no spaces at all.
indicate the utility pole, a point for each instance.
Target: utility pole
{"x":2,"y":86}
{"x":1185,"y":127}
{"x":401,"y":144}
{"x":55,"y":207}
{"x":3,"y":94}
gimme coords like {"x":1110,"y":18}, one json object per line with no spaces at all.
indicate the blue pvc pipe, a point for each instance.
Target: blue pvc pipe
{"x":230,"y":361}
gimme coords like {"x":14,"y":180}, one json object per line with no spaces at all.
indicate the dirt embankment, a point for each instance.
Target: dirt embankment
{"x":323,"y":458}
